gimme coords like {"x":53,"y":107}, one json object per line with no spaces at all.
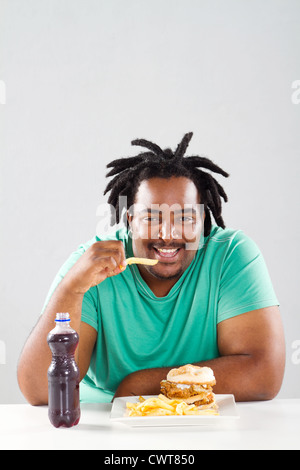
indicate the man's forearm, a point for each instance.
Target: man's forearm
{"x":36,"y":355}
{"x":241,"y":375}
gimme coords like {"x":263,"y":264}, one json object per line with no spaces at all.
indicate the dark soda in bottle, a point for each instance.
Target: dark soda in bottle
{"x":63,"y":374}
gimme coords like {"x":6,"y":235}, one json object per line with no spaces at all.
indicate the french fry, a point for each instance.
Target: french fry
{"x":163,"y":406}
{"x":149,"y":262}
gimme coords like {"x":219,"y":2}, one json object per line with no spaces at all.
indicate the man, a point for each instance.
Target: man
{"x":208,"y":300}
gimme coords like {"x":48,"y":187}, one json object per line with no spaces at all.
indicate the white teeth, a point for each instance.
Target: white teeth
{"x":164,"y":250}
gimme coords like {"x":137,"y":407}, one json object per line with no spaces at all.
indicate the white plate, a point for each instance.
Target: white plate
{"x":227,"y":411}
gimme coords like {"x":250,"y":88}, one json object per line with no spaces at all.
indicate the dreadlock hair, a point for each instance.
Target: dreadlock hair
{"x":130,"y":172}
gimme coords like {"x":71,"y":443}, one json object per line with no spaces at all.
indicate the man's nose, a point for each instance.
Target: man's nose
{"x":167,"y":231}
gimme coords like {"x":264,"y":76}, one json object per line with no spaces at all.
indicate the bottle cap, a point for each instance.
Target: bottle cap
{"x":62,"y":317}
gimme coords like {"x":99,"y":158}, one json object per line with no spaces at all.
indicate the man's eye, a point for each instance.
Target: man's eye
{"x":150,"y":219}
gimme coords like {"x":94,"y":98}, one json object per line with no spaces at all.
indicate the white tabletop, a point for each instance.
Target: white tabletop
{"x":262,"y":425}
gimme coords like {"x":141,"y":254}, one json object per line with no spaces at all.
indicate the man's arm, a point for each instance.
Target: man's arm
{"x":36,"y":355}
{"x":101,"y":260}
{"x":250,"y":366}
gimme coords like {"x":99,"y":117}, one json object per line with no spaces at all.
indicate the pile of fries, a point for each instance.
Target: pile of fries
{"x":163,"y":406}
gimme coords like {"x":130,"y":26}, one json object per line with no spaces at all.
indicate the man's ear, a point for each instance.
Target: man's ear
{"x":129,"y":218}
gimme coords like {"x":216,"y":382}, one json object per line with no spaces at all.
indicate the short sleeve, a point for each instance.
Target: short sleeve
{"x":245,"y":282}
{"x":90,"y":307}
{"x":61,"y":274}
{"x":73,"y":258}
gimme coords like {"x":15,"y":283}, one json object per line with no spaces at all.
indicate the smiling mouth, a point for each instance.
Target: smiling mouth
{"x":166,"y":253}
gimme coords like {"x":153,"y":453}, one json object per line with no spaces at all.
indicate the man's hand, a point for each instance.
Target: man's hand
{"x":250,"y":366}
{"x":102,"y":260}
{"x":142,"y":382}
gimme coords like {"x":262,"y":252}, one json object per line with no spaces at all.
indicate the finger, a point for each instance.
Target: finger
{"x":104,"y":254}
{"x":111,"y":247}
{"x":115,"y":272}
{"x":107,"y":264}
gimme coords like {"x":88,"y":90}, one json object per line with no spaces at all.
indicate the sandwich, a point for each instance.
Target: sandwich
{"x":190,"y":384}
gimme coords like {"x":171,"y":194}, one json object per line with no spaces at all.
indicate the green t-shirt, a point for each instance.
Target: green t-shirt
{"x":137,"y":330}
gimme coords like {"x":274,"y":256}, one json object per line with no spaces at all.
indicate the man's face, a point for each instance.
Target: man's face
{"x":166,"y":225}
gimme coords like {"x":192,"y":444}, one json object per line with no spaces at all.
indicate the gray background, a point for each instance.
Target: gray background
{"x":85,"y":77}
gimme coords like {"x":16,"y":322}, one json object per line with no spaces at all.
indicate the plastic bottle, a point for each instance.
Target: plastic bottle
{"x":63,"y":374}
